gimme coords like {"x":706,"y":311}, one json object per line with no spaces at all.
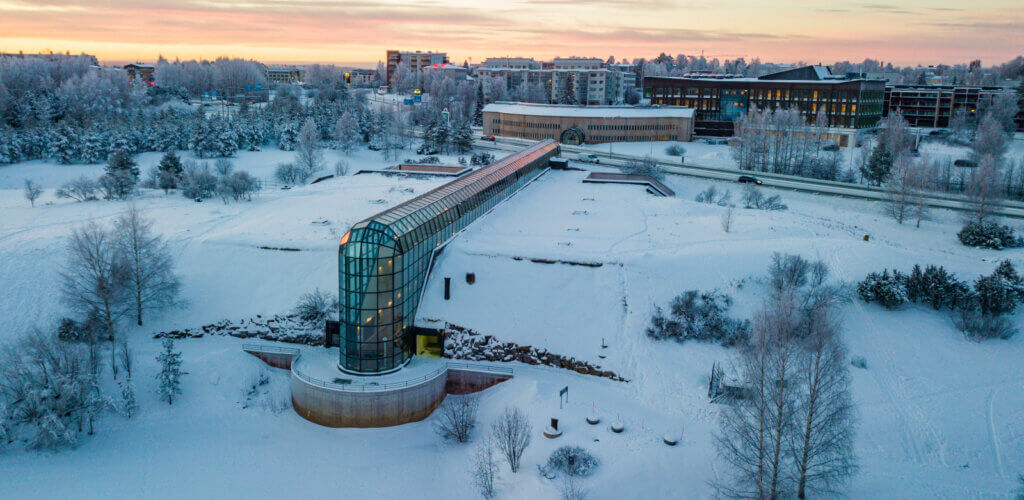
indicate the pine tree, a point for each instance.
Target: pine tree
{"x":121,"y":177}
{"x":478,"y":111}
{"x":169,"y":172}
{"x":65,"y":146}
{"x":878,"y":167}
{"x":170,"y":372}
{"x":462,"y":139}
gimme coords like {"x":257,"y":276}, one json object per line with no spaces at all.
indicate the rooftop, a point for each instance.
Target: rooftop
{"x":531,"y":109}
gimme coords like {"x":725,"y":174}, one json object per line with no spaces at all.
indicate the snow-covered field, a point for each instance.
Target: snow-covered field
{"x":940,"y":416}
{"x":719,"y":155}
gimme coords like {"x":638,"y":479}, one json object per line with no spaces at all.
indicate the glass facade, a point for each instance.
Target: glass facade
{"x":383,"y":261}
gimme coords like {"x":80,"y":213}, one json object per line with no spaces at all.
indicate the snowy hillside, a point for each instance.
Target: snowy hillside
{"x":939,"y":416}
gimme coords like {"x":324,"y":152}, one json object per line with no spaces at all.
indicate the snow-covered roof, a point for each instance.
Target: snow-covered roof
{"x":530,"y":109}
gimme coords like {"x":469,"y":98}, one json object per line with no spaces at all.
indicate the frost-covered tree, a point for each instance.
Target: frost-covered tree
{"x":121,"y":177}
{"x":94,"y":281}
{"x":238,"y":186}
{"x":287,"y":135}
{"x":49,"y":393}
{"x":169,"y":377}
{"x":32,"y":191}
{"x":903,"y":188}
{"x":983,"y":189}
{"x":147,"y":262}
{"x":511,"y":434}
{"x":462,"y":138}
{"x":346,"y":131}
{"x":478,"y":107}
{"x":316,"y":307}
{"x":309,"y":155}
{"x":197,"y":182}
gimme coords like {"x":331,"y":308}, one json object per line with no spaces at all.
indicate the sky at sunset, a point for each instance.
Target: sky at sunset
{"x":358,"y":32}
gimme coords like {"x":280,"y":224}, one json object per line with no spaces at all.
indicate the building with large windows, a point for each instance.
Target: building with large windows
{"x":416,"y":61}
{"x":850,"y":104}
{"x":383,"y":261}
{"x":588,"y":124}
{"x":933,"y":105}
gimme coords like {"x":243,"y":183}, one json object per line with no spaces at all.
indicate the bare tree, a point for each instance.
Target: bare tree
{"x":754,"y":431}
{"x":572,"y":488}
{"x":485,"y":468}
{"x":309,"y":155}
{"x":983,"y":188}
{"x":511,"y":434}
{"x":903,"y":188}
{"x":80,"y":189}
{"x":32,"y":191}
{"x":94,"y":278}
{"x":147,"y":262}
{"x":822,"y":444}
{"x":457,"y":418}
{"x":727,"y":218}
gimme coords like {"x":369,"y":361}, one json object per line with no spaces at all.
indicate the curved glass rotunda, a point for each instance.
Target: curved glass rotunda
{"x":383,"y":261}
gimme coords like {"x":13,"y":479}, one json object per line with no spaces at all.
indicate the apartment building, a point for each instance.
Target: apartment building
{"x":933,"y":105}
{"x":416,"y":61}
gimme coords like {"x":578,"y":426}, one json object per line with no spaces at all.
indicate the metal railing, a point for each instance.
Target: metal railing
{"x":376,"y":387}
{"x":270,"y":349}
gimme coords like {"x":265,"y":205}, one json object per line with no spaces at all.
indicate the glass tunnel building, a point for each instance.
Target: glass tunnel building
{"x":384,"y":260}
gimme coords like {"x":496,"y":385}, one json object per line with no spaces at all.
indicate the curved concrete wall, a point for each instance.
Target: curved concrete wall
{"x":338,"y":408}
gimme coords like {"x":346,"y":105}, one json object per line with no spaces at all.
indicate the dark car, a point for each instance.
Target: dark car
{"x":964,"y":163}
{"x":830,"y":147}
{"x":487,"y":138}
{"x":747,"y":179}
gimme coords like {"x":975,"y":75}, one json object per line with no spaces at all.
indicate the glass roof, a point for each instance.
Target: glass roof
{"x":405,"y":217}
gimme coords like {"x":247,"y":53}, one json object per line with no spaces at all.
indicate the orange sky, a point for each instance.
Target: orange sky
{"x":359,"y":31}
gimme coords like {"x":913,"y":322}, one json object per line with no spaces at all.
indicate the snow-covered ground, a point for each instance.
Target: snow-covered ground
{"x":719,"y":155}
{"x":940,"y":417}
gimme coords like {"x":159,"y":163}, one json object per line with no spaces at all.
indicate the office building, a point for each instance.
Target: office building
{"x":588,"y":124}
{"x":416,"y":61}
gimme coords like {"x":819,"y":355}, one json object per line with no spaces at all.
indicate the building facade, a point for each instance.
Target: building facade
{"x":416,"y":61}
{"x":588,"y":124}
{"x":449,"y":70}
{"x":383,"y":261}
{"x":933,"y":105}
{"x":849,"y":104}
{"x":138,"y":72}
{"x":286,"y":74}
{"x":511,"y":62}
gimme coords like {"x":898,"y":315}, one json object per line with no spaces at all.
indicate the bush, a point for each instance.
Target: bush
{"x":980,"y":326}
{"x":936,"y":287}
{"x":1001,"y":292}
{"x":288,"y":173}
{"x":481,"y":159}
{"x":341,"y":168}
{"x":572,"y":461}
{"x":316,"y":307}
{"x":647,"y":166}
{"x":754,"y":198}
{"x":712,"y":195}
{"x":223,"y":167}
{"x":117,"y":185}
{"x":989,"y":235}
{"x":675,"y":150}
{"x":238,"y":185}
{"x":197,"y":182}
{"x":457,"y":418}
{"x":80,"y":189}
{"x":888,"y":290}
{"x":701,"y":316}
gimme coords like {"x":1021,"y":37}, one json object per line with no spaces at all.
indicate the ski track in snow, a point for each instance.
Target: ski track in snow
{"x":992,"y":431}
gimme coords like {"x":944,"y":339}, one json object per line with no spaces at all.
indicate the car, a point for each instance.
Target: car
{"x":830,"y":147}
{"x":588,"y":158}
{"x":749,"y":179}
{"x":964,"y":163}
{"x":487,"y":138}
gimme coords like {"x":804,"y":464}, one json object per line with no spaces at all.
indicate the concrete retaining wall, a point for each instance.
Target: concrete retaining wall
{"x":337,"y":408}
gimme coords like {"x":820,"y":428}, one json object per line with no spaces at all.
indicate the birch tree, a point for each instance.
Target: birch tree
{"x":93,"y":279}
{"x":148,"y":265}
